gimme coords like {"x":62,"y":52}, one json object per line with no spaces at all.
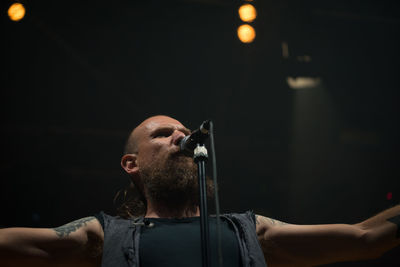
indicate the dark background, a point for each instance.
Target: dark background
{"x":77,"y":76}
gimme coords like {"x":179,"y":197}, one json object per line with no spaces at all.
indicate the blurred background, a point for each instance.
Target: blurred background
{"x":303,"y":94}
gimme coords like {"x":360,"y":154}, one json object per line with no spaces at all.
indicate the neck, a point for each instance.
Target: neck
{"x":154,"y":211}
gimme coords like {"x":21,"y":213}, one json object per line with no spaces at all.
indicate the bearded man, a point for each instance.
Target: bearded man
{"x":164,"y":229}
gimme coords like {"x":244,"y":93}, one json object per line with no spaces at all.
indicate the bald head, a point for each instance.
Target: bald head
{"x":146,"y":127}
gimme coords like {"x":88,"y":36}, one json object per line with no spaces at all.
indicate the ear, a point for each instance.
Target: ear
{"x":129,"y":164}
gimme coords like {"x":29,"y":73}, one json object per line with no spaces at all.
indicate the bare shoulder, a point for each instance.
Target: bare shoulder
{"x":265,"y":228}
{"x":87,"y":231}
{"x":263,"y":224}
{"x":80,"y":226}
{"x":263,"y":220}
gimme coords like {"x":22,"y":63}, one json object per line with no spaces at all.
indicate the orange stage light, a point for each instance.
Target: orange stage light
{"x":246,"y":33}
{"x":247,"y":13}
{"x":16,"y":11}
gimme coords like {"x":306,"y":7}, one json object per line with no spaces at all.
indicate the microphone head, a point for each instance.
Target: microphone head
{"x":183,"y":143}
{"x":205,"y":126}
{"x":185,"y":147}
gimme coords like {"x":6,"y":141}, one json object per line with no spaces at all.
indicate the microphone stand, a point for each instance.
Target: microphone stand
{"x":200,"y":157}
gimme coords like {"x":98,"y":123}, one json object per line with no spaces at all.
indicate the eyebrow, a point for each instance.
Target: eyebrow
{"x":185,"y":130}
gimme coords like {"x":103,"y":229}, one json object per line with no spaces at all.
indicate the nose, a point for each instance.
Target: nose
{"x":177,"y":136}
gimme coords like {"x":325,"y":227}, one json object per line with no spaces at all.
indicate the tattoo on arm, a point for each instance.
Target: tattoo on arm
{"x":396,"y":221}
{"x":262,"y":219}
{"x":68,"y":228}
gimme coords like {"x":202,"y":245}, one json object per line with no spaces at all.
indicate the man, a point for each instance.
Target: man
{"x":166,"y":234}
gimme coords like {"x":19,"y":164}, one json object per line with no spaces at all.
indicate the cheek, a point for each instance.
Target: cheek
{"x":152,"y":152}
{"x":155,"y":149}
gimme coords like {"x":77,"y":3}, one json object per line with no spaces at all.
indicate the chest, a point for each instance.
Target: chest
{"x":176,"y":242}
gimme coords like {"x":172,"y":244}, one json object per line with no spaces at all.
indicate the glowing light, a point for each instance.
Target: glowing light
{"x":16,"y":11}
{"x":303,"y":82}
{"x":246,"y":33}
{"x":285,"y":50}
{"x":389,"y":196}
{"x":247,"y":13}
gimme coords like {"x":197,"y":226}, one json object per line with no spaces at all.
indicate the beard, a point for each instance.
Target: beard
{"x":172,"y":184}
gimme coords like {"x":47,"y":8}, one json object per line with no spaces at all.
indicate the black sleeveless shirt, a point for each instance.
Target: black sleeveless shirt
{"x":177,"y":242}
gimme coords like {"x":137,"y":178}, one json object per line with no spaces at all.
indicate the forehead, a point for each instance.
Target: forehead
{"x":154,"y":123}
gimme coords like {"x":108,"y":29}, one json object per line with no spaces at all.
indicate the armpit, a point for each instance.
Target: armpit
{"x":94,"y":245}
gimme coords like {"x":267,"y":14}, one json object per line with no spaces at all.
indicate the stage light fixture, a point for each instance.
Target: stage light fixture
{"x":16,"y":11}
{"x":247,"y":13}
{"x":246,"y":33}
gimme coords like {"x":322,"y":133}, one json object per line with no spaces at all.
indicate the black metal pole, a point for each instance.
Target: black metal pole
{"x":200,"y":157}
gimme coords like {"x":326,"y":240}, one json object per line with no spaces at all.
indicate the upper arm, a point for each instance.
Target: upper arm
{"x":79,"y":243}
{"x":307,"y":245}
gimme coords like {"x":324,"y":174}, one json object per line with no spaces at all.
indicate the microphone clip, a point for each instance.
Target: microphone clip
{"x":146,"y":223}
{"x":200,"y":153}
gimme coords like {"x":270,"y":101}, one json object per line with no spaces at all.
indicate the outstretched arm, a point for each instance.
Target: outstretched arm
{"x":309,"y":245}
{"x":78,"y":243}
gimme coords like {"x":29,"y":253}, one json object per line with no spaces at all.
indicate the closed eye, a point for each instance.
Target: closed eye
{"x":162,"y":133}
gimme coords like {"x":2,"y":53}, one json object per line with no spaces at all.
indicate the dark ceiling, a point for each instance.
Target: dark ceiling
{"x":77,"y":76}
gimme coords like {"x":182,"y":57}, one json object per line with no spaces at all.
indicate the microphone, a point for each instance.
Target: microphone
{"x":189,"y":142}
